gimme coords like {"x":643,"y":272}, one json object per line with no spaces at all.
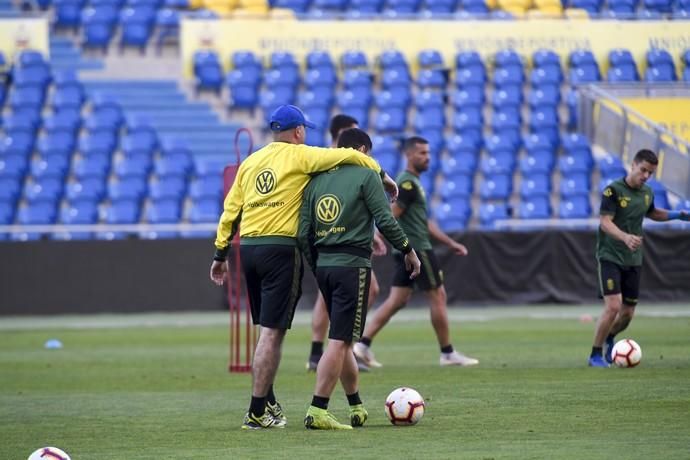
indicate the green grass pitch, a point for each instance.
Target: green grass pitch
{"x":156,"y":387}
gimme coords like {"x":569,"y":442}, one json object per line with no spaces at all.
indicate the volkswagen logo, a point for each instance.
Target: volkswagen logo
{"x":328,"y":209}
{"x":265,"y":181}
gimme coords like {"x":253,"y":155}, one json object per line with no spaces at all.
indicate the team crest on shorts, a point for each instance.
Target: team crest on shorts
{"x":265,"y":181}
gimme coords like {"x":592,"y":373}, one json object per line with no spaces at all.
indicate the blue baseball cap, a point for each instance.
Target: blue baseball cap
{"x":287,"y":117}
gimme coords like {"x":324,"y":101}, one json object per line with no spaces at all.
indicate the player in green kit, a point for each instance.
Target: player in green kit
{"x":335,"y":236}
{"x":624,"y":205}
{"x":411,"y":211}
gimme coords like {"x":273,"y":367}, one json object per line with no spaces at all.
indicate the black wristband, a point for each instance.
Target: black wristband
{"x":382,"y":174}
{"x":407,"y":249}
{"x":221,"y":254}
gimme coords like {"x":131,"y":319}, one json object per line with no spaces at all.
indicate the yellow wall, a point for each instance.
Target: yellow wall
{"x":449,"y":37}
{"x":673,"y":114}
{"x":17,"y":34}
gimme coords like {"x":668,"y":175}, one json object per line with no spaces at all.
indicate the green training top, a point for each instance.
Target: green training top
{"x":628,"y":206}
{"x":335,"y":227}
{"x":412,"y":199}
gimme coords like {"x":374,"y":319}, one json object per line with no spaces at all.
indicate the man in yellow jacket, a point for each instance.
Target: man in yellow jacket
{"x":266,"y":196}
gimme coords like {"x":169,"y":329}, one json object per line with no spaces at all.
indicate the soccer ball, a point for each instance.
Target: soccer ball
{"x":404,"y":406}
{"x":626,"y":353}
{"x":49,"y":453}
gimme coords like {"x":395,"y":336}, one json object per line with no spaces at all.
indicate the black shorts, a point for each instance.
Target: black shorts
{"x":273,"y":274}
{"x":618,"y":279}
{"x":430,"y":277}
{"x":346,"y":291}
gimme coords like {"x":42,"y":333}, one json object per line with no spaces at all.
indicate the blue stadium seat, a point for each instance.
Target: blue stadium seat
{"x":10,"y":188}
{"x":658,"y":6}
{"x":498,"y":187}
{"x":394,"y":77}
{"x":536,"y":207}
{"x":546,"y":76}
{"x":622,"y":74}
{"x":585,"y":74}
{"x":545,"y":97}
{"x":210,"y":187}
{"x":97,"y":144}
{"x":576,"y":162}
{"x":491,"y":212}
{"x":37,"y":213}
{"x":353,"y":60}
{"x":660,"y":74}
{"x":469,"y":59}
{"x":86,"y":190}
{"x":319,"y":97}
{"x":24,"y":122}
{"x":611,"y":166}
{"x":122,"y":212}
{"x":575,"y":142}
{"x":37,"y":77}
{"x":392,"y":59}
{"x":430,"y":58}
{"x":269,"y":100}
{"x":165,"y":211}
{"x":431,"y":78}
{"x":23,"y":98}
{"x":133,"y":166}
{"x":507,"y":57}
{"x":56,"y":144}
{"x":457,"y":144}
{"x":506,"y":122}
{"x":7,"y":212}
{"x":453,"y":215}
{"x":508,"y":76}
{"x":544,"y":121}
{"x":535,"y":185}
{"x":576,"y":207}
{"x":208,"y":72}
{"x":92,"y":166}
{"x":205,"y":211}
{"x":320,"y":59}
{"x":53,"y":166}
{"x":391,"y":120}
{"x":174,"y":165}
{"x":389,"y":160}
{"x":429,"y":119}
{"x":357,"y":78}
{"x":172,"y":187}
{"x":13,"y":166}
{"x":68,"y":13}
{"x":545,"y":58}
{"x":128,"y":188}
{"x":282,"y":60}
{"x":574,"y":184}
{"x":498,"y":163}
{"x":46,"y":189}
{"x":298,"y":6}
{"x":244,"y":87}
{"x":590,"y":6}
{"x":468,"y":98}
{"x":470,"y":79}
{"x":245,"y":60}
{"x":98,"y":25}
{"x":468,"y":120}
{"x":620,"y":56}
{"x":136,"y":26}
{"x":626,"y":7}
{"x":459,"y":163}
{"x":70,"y":97}
{"x":80,"y":212}
{"x":19,"y":144}
{"x":537,"y":162}
{"x":63,"y":120}
{"x":140,"y":143}
{"x":457,"y":185}
{"x":660,"y":194}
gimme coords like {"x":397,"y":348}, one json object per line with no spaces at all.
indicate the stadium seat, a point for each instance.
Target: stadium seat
{"x":353,"y":60}
{"x":426,"y":119}
{"x":622,"y":74}
{"x":574,"y":184}
{"x":459,"y":163}
{"x":430,"y":58}
{"x":536,"y":207}
{"x":498,"y":187}
{"x":431,"y":78}
{"x":37,"y":76}
{"x":205,"y":211}
{"x":128,"y":188}
{"x":81,"y":212}
{"x":98,"y":25}
{"x":576,"y":207}
{"x":470,"y":79}
{"x":23,"y":98}
{"x":390,"y":121}
{"x":544,"y":58}
{"x":627,"y":7}
{"x":491,"y":212}
{"x":468,"y":120}
{"x":537,"y":162}
{"x":68,"y":13}
{"x":535,"y":185}
{"x":584,"y":74}
{"x":208,"y":72}
{"x":453,"y":215}
{"x":37,"y":213}
{"x":209,"y":187}
{"x":457,"y":185}
{"x":611,"y":166}
{"x":7,"y":212}
{"x":86,"y":190}
{"x":10,"y":189}
{"x":660,"y":74}
{"x":97,"y":144}
{"x":473,"y":98}
{"x":122,"y":212}
{"x":13,"y":166}
{"x":544,"y":97}
{"x":92,"y":166}
{"x":137,"y":165}
{"x":508,"y":97}
{"x":62,"y":120}
{"x":502,"y":162}
{"x":136,"y":26}
{"x":576,"y":162}
{"x":53,"y":166}
{"x":173,"y":165}
{"x":169,"y":187}
{"x":457,"y":144}
{"x":164,"y":211}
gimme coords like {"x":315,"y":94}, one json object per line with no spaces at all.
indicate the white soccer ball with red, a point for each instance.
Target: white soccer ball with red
{"x":626,"y":353}
{"x":404,"y":406}
{"x":49,"y":453}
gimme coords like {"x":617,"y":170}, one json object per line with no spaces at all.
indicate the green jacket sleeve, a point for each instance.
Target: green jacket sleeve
{"x":375,"y":199}
{"x":305,"y":230}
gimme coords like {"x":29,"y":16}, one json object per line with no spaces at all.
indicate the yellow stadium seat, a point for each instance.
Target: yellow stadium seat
{"x":282,"y":13}
{"x":222,"y":7}
{"x":491,"y":4}
{"x":257,"y":5}
{"x":249,"y":13}
{"x":515,"y":7}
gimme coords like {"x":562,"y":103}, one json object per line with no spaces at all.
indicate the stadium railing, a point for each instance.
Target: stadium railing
{"x":611,"y":124}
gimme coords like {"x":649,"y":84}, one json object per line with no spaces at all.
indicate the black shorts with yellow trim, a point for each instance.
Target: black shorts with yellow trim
{"x":618,"y":279}
{"x":430,"y":277}
{"x":273,"y":274}
{"x":346,"y":291}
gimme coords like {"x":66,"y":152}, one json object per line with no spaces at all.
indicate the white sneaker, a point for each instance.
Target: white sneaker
{"x":457,"y":359}
{"x":365,"y":355}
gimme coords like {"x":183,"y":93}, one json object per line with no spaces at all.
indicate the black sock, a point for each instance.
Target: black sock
{"x":353,"y":399}
{"x":596,"y":351}
{"x":320,"y":402}
{"x":365,"y":341}
{"x":447,"y":349}
{"x":258,"y":405}
{"x":271,"y":397}
{"x":316,"y":349}
{"x":610,"y":337}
